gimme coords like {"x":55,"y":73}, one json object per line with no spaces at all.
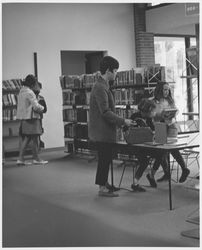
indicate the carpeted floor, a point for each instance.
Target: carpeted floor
{"x":57,"y":206}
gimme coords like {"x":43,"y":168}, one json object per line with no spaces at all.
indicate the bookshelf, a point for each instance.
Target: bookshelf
{"x":129,"y":88}
{"x":10,"y":90}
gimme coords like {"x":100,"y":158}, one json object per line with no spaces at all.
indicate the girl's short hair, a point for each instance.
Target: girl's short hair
{"x":30,"y":80}
{"x":146,"y":105}
{"x":108,"y":62}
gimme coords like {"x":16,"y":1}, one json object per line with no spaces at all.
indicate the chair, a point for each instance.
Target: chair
{"x":187,"y":153}
{"x":128,"y":161}
{"x":131,"y":161}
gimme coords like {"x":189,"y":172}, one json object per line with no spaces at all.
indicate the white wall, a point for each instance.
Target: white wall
{"x":48,"y":28}
{"x":171,"y":19}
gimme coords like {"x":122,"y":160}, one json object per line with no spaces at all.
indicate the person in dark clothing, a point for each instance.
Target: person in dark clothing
{"x":37,"y":89}
{"x":103,"y":122}
{"x":144,"y":117}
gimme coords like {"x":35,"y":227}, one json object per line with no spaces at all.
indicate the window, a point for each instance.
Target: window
{"x":171,"y":53}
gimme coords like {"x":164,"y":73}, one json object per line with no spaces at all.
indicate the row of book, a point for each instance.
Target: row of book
{"x":76,"y":98}
{"x":131,"y":96}
{"x":9,"y":99}
{"x":76,"y":115}
{"x":78,"y":81}
{"x":124,"y":96}
{"x":9,"y":114}
{"x":69,"y":131}
{"x":121,"y":96}
{"x":141,"y":75}
{"x":76,"y":131}
{"x":81,"y":132}
{"x":124,"y":113}
{"x":82,"y":115}
{"x":12,"y":84}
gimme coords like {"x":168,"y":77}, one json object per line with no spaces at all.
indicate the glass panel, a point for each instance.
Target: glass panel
{"x":170,"y":52}
{"x":192,"y":42}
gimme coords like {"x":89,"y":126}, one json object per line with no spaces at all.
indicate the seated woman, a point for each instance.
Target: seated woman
{"x":144,"y":115}
{"x":164,"y":100}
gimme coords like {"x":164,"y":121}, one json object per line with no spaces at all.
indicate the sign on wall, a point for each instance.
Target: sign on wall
{"x":191,"y":9}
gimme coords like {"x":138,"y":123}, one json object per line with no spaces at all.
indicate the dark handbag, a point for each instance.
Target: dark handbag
{"x":139,"y":133}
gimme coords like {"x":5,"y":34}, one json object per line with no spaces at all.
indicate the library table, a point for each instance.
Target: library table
{"x":184,"y":141}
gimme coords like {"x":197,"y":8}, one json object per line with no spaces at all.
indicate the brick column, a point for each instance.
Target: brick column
{"x":144,"y":41}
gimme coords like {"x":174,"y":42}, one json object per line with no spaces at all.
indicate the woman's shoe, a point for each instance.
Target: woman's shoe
{"x":39,"y":162}
{"x":111,"y":188}
{"x":23,"y":163}
{"x":151,"y":181}
{"x":137,"y":188}
{"x":185,"y":173}
{"x":165,"y":177}
{"x":106,"y":193}
{"x":20,"y":163}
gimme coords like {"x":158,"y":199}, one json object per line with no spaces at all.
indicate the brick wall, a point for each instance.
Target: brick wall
{"x":144,"y":41}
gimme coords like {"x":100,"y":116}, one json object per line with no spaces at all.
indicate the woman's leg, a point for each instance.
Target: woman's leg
{"x":143,"y":163}
{"x":179,"y":159}
{"x":155,"y":167}
{"x":35,"y":147}
{"x":23,"y":144}
{"x":185,"y":171}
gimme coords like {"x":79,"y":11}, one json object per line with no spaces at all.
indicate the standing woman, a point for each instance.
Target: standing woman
{"x":28,"y":112}
{"x":164,"y":100}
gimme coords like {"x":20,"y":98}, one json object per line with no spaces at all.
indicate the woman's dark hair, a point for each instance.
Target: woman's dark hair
{"x":146,"y":105}
{"x":108,"y":62}
{"x":30,"y":81}
{"x":40,"y":85}
{"x":158,"y":92}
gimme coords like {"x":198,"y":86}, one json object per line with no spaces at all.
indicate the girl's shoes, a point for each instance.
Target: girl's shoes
{"x":23,"y":163}
{"x":39,"y":162}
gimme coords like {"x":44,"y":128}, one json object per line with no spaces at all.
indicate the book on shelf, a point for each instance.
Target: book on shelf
{"x":68,"y":98}
{"x":78,"y":81}
{"x":69,"y":130}
{"x":81,"y":131}
{"x":9,"y":99}
{"x":9,"y":114}
{"x":80,"y":98}
{"x":13,"y":84}
{"x":69,"y":115}
{"x":82,"y":115}
{"x":17,"y":83}
{"x":124,"y":96}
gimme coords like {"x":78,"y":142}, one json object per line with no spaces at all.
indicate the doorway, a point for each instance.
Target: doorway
{"x":80,"y":62}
